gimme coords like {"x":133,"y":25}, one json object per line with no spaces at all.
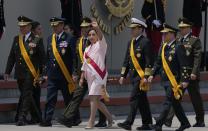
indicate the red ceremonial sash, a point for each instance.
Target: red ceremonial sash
{"x":95,"y":66}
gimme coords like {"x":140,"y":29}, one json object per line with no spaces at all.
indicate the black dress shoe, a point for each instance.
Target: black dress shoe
{"x":20,"y":123}
{"x":144,"y":127}
{"x":45,"y":124}
{"x":167,"y":123}
{"x":183,"y":127}
{"x":101,"y":124}
{"x":76,"y":122}
{"x":33,"y":122}
{"x":157,"y":128}
{"x":124,"y":126}
{"x":64,"y":121}
{"x":199,"y":124}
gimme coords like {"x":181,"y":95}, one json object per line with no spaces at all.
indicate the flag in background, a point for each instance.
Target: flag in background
{"x":2,"y":21}
{"x":72,"y":12}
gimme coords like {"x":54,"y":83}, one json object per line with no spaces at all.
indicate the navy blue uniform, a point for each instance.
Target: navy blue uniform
{"x":173,"y":59}
{"x":138,"y":98}
{"x":56,"y":79}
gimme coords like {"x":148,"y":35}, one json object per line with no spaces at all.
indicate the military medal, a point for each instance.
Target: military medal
{"x":187,"y":53}
{"x":31,"y":51}
{"x":138,"y":55}
{"x":88,"y":60}
{"x":170,"y":58}
{"x":63,"y":51}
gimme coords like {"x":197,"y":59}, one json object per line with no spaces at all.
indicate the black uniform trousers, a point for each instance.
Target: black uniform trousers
{"x":27,"y":103}
{"x":138,"y":99}
{"x":72,"y":110}
{"x":36,"y":96}
{"x":170,"y":101}
{"x":52,"y":93}
{"x":194,"y":93}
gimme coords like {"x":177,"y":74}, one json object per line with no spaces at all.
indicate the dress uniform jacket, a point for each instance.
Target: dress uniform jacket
{"x":65,"y":49}
{"x":190,"y":49}
{"x":172,"y":60}
{"x":15,"y":57}
{"x":142,"y":49}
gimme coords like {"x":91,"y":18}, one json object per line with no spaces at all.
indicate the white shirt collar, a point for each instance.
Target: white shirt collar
{"x":170,"y":43}
{"x":185,"y":36}
{"x":60,"y":34}
{"x":27,"y":36}
{"x":138,"y":37}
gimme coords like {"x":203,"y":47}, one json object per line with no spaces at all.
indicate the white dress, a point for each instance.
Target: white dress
{"x":96,"y":81}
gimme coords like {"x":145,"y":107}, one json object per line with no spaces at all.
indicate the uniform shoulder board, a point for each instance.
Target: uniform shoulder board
{"x":149,"y":1}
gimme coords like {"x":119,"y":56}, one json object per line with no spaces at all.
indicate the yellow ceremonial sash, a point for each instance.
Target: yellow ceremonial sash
{"x":80,"y":49}
{"x":175,"y":87}
{"x":28,"y":61}
{"x":71,"y":85}
{"x":142,"y":86}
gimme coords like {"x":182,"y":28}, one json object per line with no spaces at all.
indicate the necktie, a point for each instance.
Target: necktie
{"x":24,"y":39}
{"x":57,"y":38}
{"x":182,"y":39}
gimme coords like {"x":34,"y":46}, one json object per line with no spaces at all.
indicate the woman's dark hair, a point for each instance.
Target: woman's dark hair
{"x":90,"y":29}
{"x":35,"y":24}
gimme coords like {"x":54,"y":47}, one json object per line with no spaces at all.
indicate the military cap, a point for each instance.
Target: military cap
{"x":137,"y":23}
{"x":22,"y":21}
{"x":86,"y":22}
{"x":168,"y":28}
{"x":56,"y":20}
{"x":184,"y":22}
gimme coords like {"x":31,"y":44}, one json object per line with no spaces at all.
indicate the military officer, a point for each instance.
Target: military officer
{"x":59,"y":74}
{"x":25,"y":54}
{"x":138,"y":61}
{"x":71,"y":115}
{"x":190,"y":47}
{"x":169,"y":61}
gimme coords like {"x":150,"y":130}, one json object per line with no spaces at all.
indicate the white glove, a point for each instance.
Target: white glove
{"x":157,"y":23}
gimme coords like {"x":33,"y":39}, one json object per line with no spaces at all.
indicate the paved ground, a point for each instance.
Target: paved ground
{"x":58,"y":127}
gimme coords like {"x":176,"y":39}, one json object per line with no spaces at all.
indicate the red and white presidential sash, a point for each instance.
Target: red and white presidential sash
{"x":95,"y":67}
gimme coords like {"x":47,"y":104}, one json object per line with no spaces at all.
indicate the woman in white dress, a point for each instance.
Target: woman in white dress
{"x":94,"y":71}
